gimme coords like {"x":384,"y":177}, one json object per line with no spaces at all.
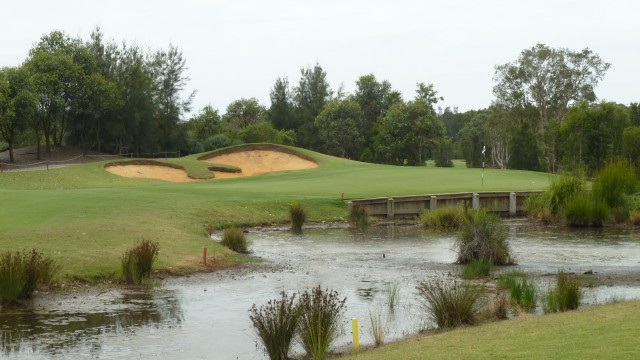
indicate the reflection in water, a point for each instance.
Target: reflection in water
{"x":38,"y":331}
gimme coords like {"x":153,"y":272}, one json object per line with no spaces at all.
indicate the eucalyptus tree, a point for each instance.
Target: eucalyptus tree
{"x":341,"y":125}
{"x":551,"y":79}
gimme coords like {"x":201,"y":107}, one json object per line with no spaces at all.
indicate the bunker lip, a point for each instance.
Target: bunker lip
{"x":257,"y":159}
{"x":149,"y":169}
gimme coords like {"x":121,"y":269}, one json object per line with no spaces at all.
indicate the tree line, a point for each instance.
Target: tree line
{"x":118,"y":98}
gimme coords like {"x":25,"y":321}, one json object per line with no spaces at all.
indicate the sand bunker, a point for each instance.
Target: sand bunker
{"x":256,"y":162}
{"x":150,"y":172}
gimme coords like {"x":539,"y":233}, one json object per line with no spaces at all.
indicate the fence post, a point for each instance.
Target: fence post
{"x":475,"y":202}
{"x":513,"y":204}
{"x":390,"y":209}
{"x":433,"y":203}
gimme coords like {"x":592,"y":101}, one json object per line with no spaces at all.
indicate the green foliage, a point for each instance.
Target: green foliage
{"x":583,"y":210}
{"x":443,"y":218}
{"x":613,"y":182}
{"x":631,"y":145}
{"x":444,"y":153}
{"x":483,"y":236}
{"x":276,"y":324}
{"x":358,"y":216}
{"x":322,"y":311}
{"x":263,"y":132}
{"x":565,"y":296}
{"x":242,"y":113}
{"x":298,"y":215}
{"x":392,"y":290}
{"x":472,"y":139}
{"x":341,"y":127}
{"x":561,"y":189}
{"x":137,"y":262}
{"x":218,"y":141}
{"x":539,"y":209}
{"x":450,"y":305}
{"x":205,"y":124}
{"x":234,"y":239}
{"x":377,"y":328}
{"x":476,"y":269}
{"x":21,"y":273}
{"x":522,"y":293}
{"x":635,"y":218}
{"x":525,"y":152}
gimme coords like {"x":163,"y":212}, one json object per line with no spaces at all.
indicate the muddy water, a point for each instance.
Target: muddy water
{"x":205,"y":316}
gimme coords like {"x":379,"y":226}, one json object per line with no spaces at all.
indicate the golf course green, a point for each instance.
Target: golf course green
{"x":85,"y":217}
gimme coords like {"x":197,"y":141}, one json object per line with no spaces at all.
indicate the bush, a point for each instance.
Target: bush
{"x":442,"y":218}
{"x":450,"y":305}
{"x":320,"y":323}
{"x":298,"y":216}
{"x":583,"y":210}
{"x":21,"y":273}
{"x":566,"y":295}
{"x":358,"y":216}
{"x":137,"y":262}
{"x":613,"y":182}
{"x":476,"y":269}
{"x":234,"y":239}
{"x":483,"y":236}
{"x":562,"y":189}
{"x":276,"y":324}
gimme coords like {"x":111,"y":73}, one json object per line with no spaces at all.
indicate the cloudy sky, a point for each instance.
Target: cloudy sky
{"x":238,"y":48}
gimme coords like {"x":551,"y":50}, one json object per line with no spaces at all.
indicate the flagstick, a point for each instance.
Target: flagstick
{"x":482,"y":173}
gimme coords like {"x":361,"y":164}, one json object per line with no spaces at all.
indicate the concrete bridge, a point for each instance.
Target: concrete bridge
{"x":403,"y":207}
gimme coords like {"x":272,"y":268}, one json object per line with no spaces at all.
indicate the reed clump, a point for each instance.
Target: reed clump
{"x":22,"y":272}
{"x":476,"y":269}
{"x":276,"y":324}
{"x":450,"y":305}
{"x":483,"y":236}
{"x":322,"y":311}
{"x":358,"y":216}
{"x":567,"y":294}
{"x":446,"y":218}
{"x":234,"y":239}
{"x":137,"y":262}
{"x":298,"y":216}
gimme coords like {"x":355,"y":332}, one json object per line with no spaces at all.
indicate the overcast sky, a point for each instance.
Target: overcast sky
{"x":238,"y":48}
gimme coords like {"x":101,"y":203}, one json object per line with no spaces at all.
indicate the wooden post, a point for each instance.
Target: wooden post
{"x":204,"y":256}
{"x":433,"y":203}
{"x":475,"y":202}
{"x":513,"y":209}
{"x":390,"y":209}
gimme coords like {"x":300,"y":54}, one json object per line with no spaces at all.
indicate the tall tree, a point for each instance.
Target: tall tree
{"x":18,"y":103}
{"x":242,"y":113}
{"x":205,"y":124}
{"x":309,"y":97}
{"x":281,"y":112}
{"x":341,"y":125}
{"x":473,"y":139}
{"x":551,"y":79}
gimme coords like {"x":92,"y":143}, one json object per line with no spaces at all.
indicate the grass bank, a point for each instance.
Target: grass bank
{"x":86,"y":218}
{"x":603,"y":332}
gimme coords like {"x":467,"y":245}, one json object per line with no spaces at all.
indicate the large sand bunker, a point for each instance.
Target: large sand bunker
{"x":150,"y":172}
{"x":257,"y":162}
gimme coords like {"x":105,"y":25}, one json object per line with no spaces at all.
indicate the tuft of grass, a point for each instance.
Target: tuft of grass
{"x":276,"y":324}
{"x":320,"y":322}
{"x":476,"y":269}
{"x":358,"y":216}
{"x":450,"y":305}
{"x":392,"y":290}
{"x":298,"y":215}
{"x":377,"y":328}
{"x":522,"y":293}
{"x":483,"y":236}
{"x":137,"y":262}
{"x":21,"y":273}
{"x":583,"y":210}
{"x":443,"y":218}
{"x":234,"y":239}
{"x":565,"y":296}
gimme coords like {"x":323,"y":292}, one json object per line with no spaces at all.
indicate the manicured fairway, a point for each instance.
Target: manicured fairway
{"x":86,"y":217}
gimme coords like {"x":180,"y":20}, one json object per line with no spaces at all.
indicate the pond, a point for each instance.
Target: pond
{"x":206,"y":316}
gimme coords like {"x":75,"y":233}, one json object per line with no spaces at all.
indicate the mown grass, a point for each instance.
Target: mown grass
{"x":604,"y":332}
{"x":86,"y":217}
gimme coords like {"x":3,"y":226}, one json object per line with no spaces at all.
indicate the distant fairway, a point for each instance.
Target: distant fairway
{"x":86,"y":217}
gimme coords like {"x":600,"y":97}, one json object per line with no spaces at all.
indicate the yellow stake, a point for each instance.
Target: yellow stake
{"x":354,"y":331}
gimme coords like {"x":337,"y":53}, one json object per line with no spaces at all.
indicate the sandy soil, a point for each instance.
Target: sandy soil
{"x":150,"y":172}
{"x":257,"y":162}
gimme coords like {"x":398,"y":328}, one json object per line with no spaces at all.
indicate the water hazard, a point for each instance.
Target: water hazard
{"x":206,"y":316}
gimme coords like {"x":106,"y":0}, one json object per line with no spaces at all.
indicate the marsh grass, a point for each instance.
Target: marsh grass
{"x":137,"y":262}
{"x":562,"y":189}
{"x":358,"y":216}
{"x":538,"y":209}
{"x":451,"y":305}
{"x":298,"y":216}
{"x":567,"y":294}
{"x":583,"y":210}
{"x":392,"y":291}
{"x":276,"y":324}
{"x":483,"y":236}
{"x":378,"y":327}
{"x":234,"y":239}
{"x":476,"y":269}
{"x":322,"y":311}
{"x":21,"y":273}
{"x":613,"y":182}
{"x":522,"y":293}
{"x":446,"y":218}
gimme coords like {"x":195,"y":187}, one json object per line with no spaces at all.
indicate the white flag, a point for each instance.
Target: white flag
{"x":484,"y":148}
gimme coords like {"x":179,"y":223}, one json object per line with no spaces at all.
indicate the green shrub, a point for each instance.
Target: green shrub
{"x":565,"y":296}
{"x":21,"y":273}
{"x":298,"y":216}
{"x":483,"y":236}
{"x":442,"y":218}
{"x":234,"y":239}
{"x":276,"y":324}
{"x":539,"y":208}
{"x":562,"y":189}
{"x":613,"y":182}
{"x":358,"y":216}
{"x":450,"y":305}
{"x":137,"y":262}
{"x":583,"y":210}
{"x":476,"y":269}
{"x":320,"y":323}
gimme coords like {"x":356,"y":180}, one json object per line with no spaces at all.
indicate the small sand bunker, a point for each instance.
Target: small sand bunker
{"x":256,"y":162}
{"x":150,"y":172}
